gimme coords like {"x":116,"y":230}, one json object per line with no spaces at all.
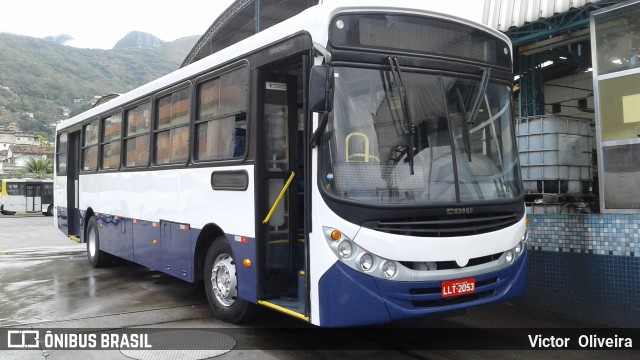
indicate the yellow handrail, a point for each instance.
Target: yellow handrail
{"x":275,"y":204}
{"x":366,"y":155}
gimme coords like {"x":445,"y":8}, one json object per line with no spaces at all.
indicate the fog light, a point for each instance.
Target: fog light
{"x":366,"y":262}
{"x":509,"y":256}
{"x":389,"y":269}
{"x":345,"y":249}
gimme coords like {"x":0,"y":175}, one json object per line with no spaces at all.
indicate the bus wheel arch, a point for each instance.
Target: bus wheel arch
{"x":221,"y":284}
{"x":207,"y":236}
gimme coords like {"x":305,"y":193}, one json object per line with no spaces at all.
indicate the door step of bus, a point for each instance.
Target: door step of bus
{"x":289,"y":306}
{"x":74,"y":238}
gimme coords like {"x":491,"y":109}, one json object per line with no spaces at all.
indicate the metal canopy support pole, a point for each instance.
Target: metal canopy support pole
{"x":257,"y":16}
{"x":531,"y":98}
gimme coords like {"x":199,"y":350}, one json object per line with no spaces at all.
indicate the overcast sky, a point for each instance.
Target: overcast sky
{"x":100,"y":24}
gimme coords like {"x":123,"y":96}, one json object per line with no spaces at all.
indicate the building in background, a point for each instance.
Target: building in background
{"x":576,"y":63}
{"x":12,"y":137}
{"x":17,"y":156}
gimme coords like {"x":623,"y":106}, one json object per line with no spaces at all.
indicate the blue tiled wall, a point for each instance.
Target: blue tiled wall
{"x":586,"y":267}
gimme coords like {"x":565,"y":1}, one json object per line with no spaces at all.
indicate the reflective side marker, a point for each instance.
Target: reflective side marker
{"x":241,"y":239}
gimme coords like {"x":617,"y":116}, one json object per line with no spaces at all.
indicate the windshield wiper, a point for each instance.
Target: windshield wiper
{"x":465,"y":125}
{"x":470,"y":118}
{"x":408,"y":126}
{"x":483,"y":89}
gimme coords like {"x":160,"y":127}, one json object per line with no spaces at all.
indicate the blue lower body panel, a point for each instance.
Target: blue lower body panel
{"x":166,"y":246}
{"x":351,"y":298}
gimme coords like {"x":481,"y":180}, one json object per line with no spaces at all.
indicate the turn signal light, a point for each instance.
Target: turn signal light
{"x":336,"y":235}
{"x":247,"y":263}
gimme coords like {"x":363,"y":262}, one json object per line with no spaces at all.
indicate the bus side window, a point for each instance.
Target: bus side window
{"x":179,"y":144}
{"x":61,"y":154}
{"x":221,"y":116}
{"x":16,"y":189}
{"x":136,"y":143}
{"x":162,"y":148}
{"x":90,"y":146}
{"x":111,"y":129}
{"x":172,"y":128}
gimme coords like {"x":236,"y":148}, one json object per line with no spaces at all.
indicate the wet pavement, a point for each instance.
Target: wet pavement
{"x":47,"y":283}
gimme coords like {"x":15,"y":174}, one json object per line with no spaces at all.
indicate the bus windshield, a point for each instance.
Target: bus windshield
{"x":451,"y":155}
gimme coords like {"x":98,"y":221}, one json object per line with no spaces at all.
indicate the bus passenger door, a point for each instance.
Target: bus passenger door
{"x":73,"y":183}
{"x":33,"y":198}
{"x":281,"y":246}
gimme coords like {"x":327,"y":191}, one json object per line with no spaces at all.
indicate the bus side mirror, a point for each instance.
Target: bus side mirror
{"x":321,"y":88}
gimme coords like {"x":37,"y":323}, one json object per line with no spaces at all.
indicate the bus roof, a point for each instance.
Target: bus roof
{"x":25,"y":180}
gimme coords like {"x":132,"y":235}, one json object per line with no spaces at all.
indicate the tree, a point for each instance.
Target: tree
{"x":43,"y":139}
{"x":39,"y":168}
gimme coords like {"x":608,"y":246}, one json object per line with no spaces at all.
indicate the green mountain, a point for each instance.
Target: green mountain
{"x":42,"y":81}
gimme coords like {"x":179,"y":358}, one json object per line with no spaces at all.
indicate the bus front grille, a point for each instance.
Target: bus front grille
{"x":462,"y":225}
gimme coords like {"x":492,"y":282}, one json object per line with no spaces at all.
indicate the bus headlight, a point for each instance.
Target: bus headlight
{"x":345,"y":249}
{"x":518,"y":248}
{"x":509,"y":256}
{"x":389,"y":269}
{"x":359,"y":259}
{"x":366,"y":262}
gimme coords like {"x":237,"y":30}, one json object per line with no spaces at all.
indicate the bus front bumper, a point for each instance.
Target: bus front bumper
{"x":351,"y":298}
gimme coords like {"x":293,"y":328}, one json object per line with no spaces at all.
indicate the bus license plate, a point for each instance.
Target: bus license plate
{"x":458,"y":287}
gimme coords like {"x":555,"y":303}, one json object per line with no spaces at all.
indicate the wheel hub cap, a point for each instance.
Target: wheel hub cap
{"x":224,"y":281}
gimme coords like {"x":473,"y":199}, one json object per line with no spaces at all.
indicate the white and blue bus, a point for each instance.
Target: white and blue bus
{"x":354,"y":164}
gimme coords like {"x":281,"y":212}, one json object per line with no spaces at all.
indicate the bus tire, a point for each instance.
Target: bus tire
{"x":49,"y":211}
{"x":221,"y":284}
{"x":97,"y":257}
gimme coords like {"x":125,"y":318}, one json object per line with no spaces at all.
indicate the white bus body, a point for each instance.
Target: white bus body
{"x":398,"y":197}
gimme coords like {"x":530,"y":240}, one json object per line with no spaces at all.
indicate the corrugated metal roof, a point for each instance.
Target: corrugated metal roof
{"x":505,"y":14}
{"x":239,"y":21}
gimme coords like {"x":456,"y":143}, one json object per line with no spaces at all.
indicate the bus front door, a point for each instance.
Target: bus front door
{"x":281,"y":245}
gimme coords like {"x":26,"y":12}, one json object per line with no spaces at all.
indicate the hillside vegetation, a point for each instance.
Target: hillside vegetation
{"x":40,"y":79}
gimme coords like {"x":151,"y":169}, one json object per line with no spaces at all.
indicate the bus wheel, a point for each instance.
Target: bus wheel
{"x":49,"y":211}
{"x":97,"y":257}
{"x":221,"y":284}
